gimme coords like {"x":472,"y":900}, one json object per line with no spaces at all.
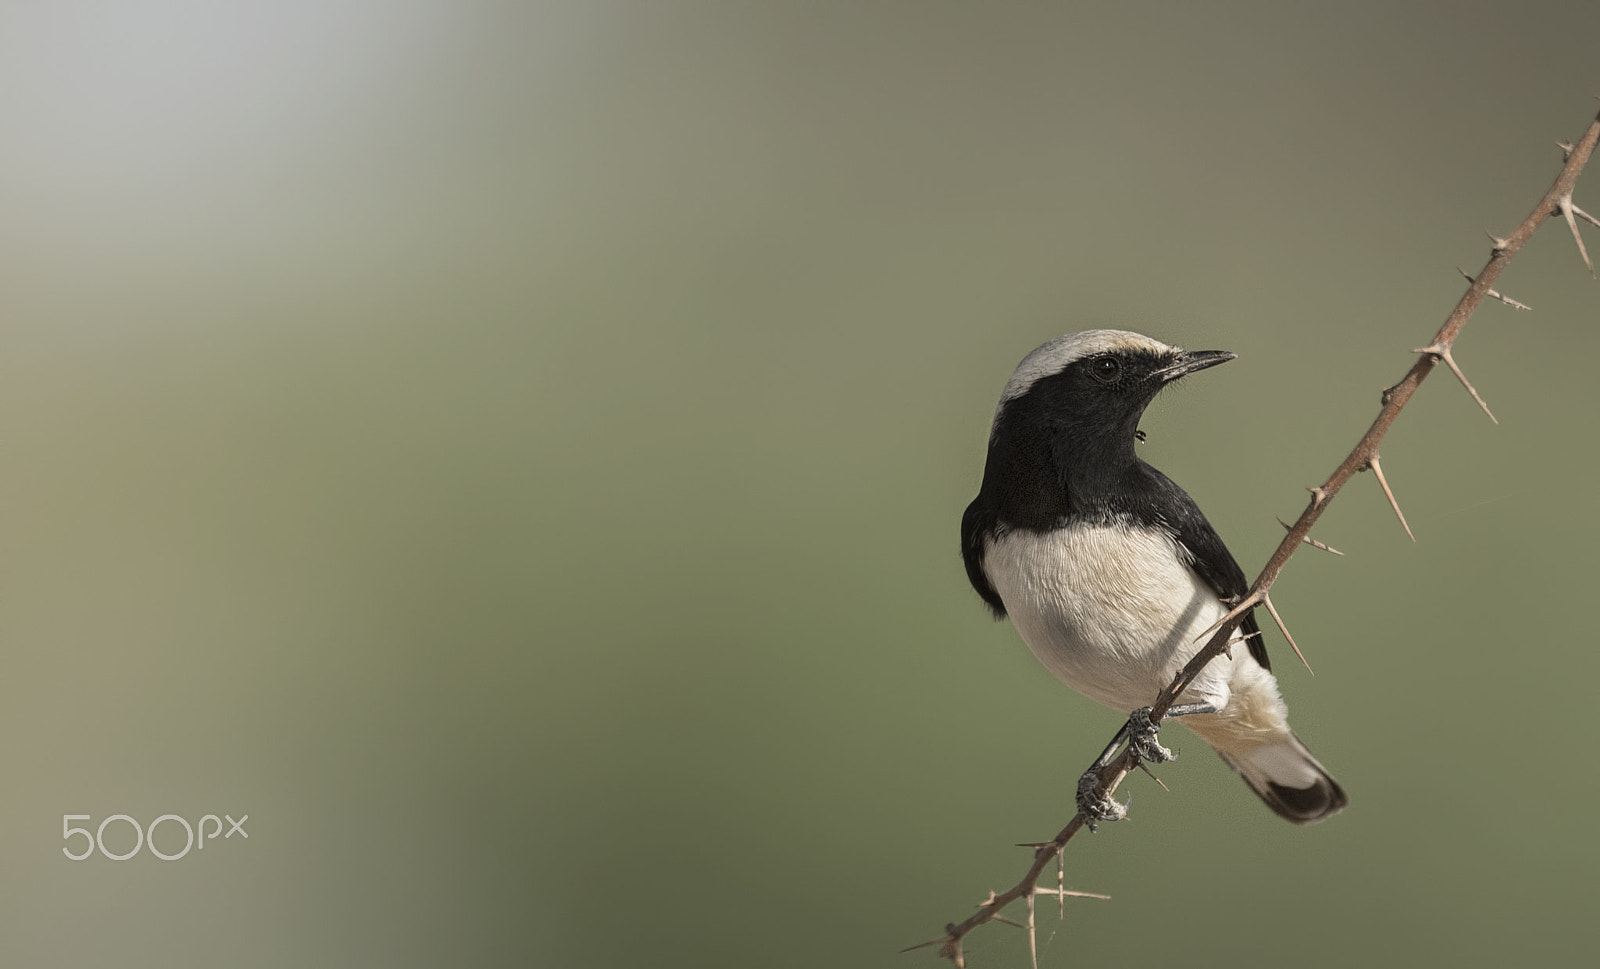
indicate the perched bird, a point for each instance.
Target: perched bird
{"x":1109,"y":571}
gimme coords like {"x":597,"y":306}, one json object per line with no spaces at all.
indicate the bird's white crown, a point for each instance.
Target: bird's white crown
{"x":1058,"y":354}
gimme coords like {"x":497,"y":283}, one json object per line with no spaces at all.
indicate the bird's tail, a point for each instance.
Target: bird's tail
{"x":1283,"y":773}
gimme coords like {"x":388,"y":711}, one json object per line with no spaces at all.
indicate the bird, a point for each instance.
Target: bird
{"x":1109,"y":571}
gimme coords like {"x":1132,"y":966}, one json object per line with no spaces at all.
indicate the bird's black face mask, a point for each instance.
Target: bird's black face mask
{"x":1100,"y":398}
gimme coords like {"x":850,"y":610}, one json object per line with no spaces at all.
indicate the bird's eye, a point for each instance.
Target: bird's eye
{"x":1106,"y":368}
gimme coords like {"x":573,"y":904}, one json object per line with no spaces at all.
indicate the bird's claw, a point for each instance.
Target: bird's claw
{"x":1143,"y":738}
{"x":1095,"y":806}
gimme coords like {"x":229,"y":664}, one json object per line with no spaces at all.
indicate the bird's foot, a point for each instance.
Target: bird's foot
{"x":1094,"y":805}
{"x":1143,"y":734}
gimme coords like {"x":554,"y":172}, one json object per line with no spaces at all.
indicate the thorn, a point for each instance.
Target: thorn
{"x":1309,"y":540}
{"x":1377,"y":469}
{"x":1146,"y":768}
{"x":1443,"y":353}
{"x":1061,"y":881}
{"x":1228,"y":652}
{"x":1494,"y":293}
{"x":944,"y":940}
{"x":1585,"y":216}
{"x":996,"y":917}
{"x":1566,"y":150}
{"x":1267,"y":601}
{"x":1245,"y":605}
{"x":1033,"y":933}
{"x":1319,"y":494}
{"x":1005,"y":921}
{"x":1072,"y":894}
{"x":1500,"y":245}
{"x":1565,"y":207}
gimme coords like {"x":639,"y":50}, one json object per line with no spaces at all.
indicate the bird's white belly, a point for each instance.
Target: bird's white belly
{"x":1111,"y":610}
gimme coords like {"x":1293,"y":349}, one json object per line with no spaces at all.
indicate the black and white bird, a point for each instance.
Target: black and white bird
{"x":1109,"y":571}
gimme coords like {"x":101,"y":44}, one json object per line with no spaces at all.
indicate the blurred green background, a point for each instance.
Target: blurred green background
{"x":514,"y":451}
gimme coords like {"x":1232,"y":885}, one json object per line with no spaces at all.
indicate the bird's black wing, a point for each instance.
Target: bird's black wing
{"x":1209,"y":557}
{"x":977,"y":526}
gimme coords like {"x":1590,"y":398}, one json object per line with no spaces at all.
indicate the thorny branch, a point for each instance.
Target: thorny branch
{"x":1557,"y":202}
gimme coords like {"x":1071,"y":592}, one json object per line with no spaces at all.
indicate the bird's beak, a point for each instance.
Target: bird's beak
{"x":1188,"y":362}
